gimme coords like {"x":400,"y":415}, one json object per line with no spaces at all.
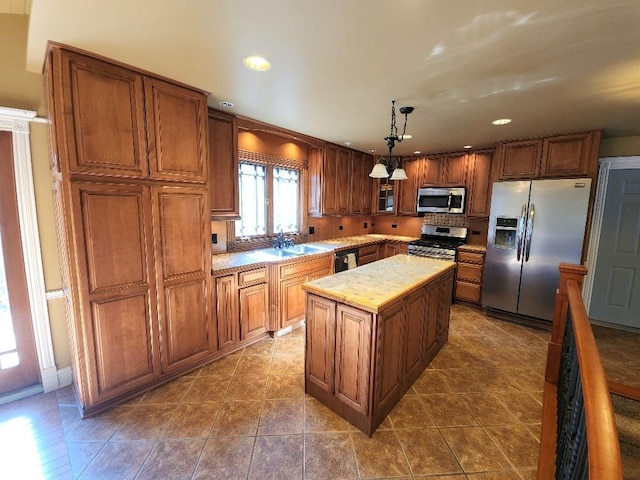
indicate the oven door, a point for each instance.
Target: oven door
{"x":440,"y":200}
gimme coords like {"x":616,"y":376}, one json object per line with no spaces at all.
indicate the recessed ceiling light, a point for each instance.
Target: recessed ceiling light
{"x":257,"y":63}
{"x":372,"y":151}
{"x":406,"y":136}
{"x":416,"y":152}
{"x":226,"y":104}
{"x":467,"y":146}
{"x":347,"y":143}
{"x":502,"y":121}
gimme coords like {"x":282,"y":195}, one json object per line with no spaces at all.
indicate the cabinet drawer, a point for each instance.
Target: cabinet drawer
{"x":252,"y":276}
{"x":470,"y":257}
{"x":309,"y":266}
{"x":470,"y":272}
{"x":468,"y":291}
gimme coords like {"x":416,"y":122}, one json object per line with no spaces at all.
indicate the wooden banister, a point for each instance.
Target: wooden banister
{"x":602,"y":447}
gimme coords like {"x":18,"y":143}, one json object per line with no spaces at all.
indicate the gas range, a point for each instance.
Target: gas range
{"x":438,"y":242}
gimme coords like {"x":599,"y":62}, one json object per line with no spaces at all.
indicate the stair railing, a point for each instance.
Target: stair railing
{"x":579,"y":438}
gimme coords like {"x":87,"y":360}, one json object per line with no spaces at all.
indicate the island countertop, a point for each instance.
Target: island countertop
{"x":373,"y":286}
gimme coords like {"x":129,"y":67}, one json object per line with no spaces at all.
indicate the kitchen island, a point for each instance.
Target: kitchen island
{"x":371,"y":331}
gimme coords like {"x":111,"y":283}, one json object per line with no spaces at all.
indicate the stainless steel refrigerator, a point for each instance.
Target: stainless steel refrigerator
{"x":533,"y":226}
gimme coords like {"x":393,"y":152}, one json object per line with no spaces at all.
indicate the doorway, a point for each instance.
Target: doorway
{"x":18,"y":358}
{"x":613,"y":284}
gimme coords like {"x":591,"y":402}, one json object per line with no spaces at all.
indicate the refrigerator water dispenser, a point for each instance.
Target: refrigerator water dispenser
{"x":505,"y":232}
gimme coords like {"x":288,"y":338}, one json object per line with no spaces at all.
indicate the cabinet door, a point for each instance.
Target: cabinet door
{"x":431,"y":167}
{"x":183,"y":265}
{"x":329,"y":181}
{"x":320,"y":343}
{"x":479,"y":191}
{"x":353,"y":357}
{"x":94,"y":94}
{"x":385,"y":201}
{"x":254,"y":305}
{"x":176,"y":132}
{"x":292,"y":301}
{"x":223,"y":165}
{"x":408,"y":189}
{"x":315,"y":182}
{"x":454,"y":170}
{"x":357,"y":183}
{"x":389,"y":356}
{"x":567,"y":155}
{"x":519,"y":160}
{"x":343,"y":180}
{"x":114,"y":273}
{"x":367,"y":184}
{"x":226,"y":310}
{"x":432,"y":305}
{"x":413,"y":338}
{"x":444,"y":307}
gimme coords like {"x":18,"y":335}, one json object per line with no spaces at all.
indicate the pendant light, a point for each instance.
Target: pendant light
{"x":388,"y":165}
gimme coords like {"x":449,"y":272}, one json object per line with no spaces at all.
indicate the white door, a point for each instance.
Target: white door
{"x":615,"y":296}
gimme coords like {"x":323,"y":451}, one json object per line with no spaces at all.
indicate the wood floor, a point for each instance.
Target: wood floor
{"x":474,"y":414}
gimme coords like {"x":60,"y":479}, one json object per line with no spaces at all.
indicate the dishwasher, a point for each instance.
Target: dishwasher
{"x":341,"y":260}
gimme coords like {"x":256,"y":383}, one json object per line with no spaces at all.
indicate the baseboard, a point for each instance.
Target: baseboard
{"x":623,"y":390}
{"x":20,"y":394}
{"x":65,"y":377}
{"x":615,"y":326}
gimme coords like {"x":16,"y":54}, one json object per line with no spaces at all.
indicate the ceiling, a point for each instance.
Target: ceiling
{"x":551,"y":66}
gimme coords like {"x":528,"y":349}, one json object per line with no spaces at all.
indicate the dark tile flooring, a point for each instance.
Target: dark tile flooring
{"x":474,"y":414}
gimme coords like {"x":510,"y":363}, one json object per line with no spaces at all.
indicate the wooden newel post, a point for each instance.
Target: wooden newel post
{"x":567,"y":272}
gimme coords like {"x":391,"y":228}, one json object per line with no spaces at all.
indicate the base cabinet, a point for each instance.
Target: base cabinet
{"x":359,"y":363}
{"x":288,"y":303}
{"x":241,"y":306}
{"x":469,"y":274}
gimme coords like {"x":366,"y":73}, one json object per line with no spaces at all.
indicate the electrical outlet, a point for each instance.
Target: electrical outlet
{"x":214,"y":238}
{"x":393,"y":225}
{"x":340,"y":227}
{"x":475,"y":232}
{"x":312,"y":230}
{"x":364,"y":225}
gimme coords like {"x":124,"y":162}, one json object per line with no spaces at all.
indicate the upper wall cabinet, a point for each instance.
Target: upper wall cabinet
{"x":223,"y":165}
{"x":339,"y":182}
{"x":560,"y":156}
{"x":479,"y":184}
{"x":115,"y":121}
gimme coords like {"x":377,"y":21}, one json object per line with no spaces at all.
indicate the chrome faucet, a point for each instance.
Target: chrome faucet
{"x":281,"y":242}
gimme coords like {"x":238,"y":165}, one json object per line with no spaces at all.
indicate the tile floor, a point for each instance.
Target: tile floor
{"x":474,"y":414}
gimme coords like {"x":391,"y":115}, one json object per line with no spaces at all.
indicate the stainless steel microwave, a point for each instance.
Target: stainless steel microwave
{"x":441,"y":200}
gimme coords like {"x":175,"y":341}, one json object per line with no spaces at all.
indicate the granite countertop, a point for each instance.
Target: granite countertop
{"x":373,"y":286}
{"x":225,"y":261}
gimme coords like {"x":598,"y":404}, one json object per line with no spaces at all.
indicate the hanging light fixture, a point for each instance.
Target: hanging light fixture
{"x":388,"y":165}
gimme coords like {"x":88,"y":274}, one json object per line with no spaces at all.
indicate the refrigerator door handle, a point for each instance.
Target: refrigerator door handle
{"x":532,"y":213}
{"x":520,"y":232}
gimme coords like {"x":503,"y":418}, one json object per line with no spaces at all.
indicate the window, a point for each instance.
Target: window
{"x":269,"y":199}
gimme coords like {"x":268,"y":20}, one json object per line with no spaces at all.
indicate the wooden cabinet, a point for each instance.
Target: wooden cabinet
{"x":394,"y":248}
{"x":453,"y":171}
{"x":122,"y":123}
{"x":339,"y":182}
{"x":479,"y":184}
{"x":223,"y":165}
{"x":560,"y":156}
{"x":368,"y":254}
{"x":176,"y":132}
{"x":132,"y":218}
{"x":570,"y":155}
{"x":408,"y":189}
{"x":431,"y":168}
{"x":385,"y":202}
{"x":113,"y":319}
{"x":469,"y":274}
{"x":288,"y":298}
{"x":359,"y":363}
{"x":183,"y":265}
{"x":241,"y":305}
{"x":361,"y":183}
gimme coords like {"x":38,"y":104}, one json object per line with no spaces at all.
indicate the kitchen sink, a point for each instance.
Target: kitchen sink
{"x":305,"y":249}
{"x":272,"y":254}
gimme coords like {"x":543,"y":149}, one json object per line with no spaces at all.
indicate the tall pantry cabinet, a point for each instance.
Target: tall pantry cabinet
{"x":129,"y":156}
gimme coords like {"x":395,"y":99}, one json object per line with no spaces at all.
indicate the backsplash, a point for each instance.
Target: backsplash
{"x":445,"y":219}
